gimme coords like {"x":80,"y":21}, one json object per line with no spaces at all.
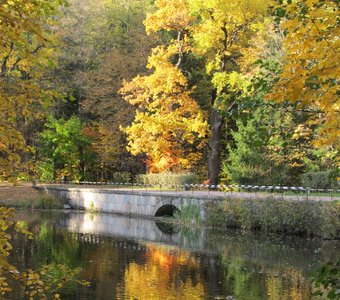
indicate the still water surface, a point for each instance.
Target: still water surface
{"x":129,"y":258}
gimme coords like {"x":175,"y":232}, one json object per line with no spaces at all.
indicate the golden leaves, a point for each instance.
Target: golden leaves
{"x":171,"y":15}
{"x":168,"y":122}
{"x":25,"y":33}
{"x":310,"y":72}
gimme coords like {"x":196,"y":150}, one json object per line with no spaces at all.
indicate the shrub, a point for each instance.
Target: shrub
{"x":188,"y":215}
{"x":318,"y":180}
{"x":46,"y":170}
{"x":121,"y":177}
{"x":47,"y":202}
{"x":301,"y":218}
{"x":168,"y":180}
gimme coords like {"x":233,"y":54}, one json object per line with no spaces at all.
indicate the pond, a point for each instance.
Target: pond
{"x":131,"y":258}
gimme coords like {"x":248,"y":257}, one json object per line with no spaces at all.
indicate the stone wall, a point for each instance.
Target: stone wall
{"x":138,"y":203}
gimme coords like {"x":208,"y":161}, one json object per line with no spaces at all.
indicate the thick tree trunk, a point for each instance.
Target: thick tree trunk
{"x":214,"y":160}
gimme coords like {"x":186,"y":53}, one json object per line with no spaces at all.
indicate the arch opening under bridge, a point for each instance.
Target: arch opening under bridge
{"x":167,"y":210}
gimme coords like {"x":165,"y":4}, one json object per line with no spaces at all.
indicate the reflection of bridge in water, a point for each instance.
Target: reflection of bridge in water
{"x":124,"y":233}
{"x":200,"y":255}
{"x":105,"y":240}
{"x":96,"y":227}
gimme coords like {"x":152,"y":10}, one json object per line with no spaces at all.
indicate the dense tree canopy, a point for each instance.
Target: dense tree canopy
{"x":243,"y":89}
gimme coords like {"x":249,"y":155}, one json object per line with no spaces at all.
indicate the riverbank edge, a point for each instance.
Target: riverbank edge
{"x":290,"y":217}
{"x":301,"y":218}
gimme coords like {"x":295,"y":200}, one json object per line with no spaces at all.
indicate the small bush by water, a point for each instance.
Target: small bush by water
{"x":47,"y":202}
{"x":292,"y":217}
{"x":188,"y":215}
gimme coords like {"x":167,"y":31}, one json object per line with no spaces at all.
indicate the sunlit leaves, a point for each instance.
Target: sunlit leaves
{"x":169,"y":126}
{"x":171,"y":15}
{"x":65,"y":147}
{"x":311,"y":64}
{"x":25,"y":30}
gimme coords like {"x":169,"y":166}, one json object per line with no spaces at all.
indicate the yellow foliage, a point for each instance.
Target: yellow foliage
{"x":171,"y":15}
{"x":224,"y":27}
{"x":23,"y":53}
{"x":152,"y":280}
{"x":311,"y":64}
{"x":169,"y":126}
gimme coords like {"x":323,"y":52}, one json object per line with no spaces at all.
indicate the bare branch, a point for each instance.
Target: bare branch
{"x":4,"y":62}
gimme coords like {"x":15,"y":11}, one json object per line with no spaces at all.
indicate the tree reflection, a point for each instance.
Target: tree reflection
{"x":163,"y":276}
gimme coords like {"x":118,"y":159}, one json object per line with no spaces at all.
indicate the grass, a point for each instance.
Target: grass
{"x":189,"y":215}
{"x":26,"y":197}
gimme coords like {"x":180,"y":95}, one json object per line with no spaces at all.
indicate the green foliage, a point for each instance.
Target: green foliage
{"x":318,"y":180}
{"x":272,"y":143}
{"x":189,"y":215}
{"x":247,"y":162}
{"x":326,"y":280}
{"x":46,"y":170}
{"x":272,"y":215}
{"x":65,"y":150}
{"x":121,"y":177}
{"x":168,"y":180}
{"x":92,"y":208}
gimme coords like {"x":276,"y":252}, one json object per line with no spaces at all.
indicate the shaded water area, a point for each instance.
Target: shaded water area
{"x":131,"y":258}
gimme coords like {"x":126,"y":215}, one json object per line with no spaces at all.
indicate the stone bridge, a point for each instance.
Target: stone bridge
{"x":127,"y":202}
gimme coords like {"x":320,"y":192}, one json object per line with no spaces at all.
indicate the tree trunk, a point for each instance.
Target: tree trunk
{"x":215,"y":147}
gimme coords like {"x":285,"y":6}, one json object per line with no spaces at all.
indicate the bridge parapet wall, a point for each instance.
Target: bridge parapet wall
{"x":138,"y":203}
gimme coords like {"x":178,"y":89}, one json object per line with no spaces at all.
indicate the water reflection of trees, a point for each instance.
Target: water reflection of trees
{"x":247,"y":266}
{"x":166,"y":274}
{"x":50,"y":253}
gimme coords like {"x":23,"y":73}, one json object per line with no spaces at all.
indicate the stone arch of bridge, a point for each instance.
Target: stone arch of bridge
{"x":166,"y":210}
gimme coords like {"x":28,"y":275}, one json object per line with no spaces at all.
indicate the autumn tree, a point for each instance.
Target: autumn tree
{"x":221,"y":35}
{"x":309,"y":76}
{"x":272,"y":141}
{"x":168,"y":125}
{"x":218,"y":33}
{"x":25,"y":50}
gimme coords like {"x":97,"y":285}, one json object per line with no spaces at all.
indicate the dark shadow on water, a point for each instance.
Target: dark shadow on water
{"x":166,"y":227}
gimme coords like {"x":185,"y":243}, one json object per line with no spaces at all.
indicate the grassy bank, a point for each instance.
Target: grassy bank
{"x":282,"y":216}
{"x":26,"y":197}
